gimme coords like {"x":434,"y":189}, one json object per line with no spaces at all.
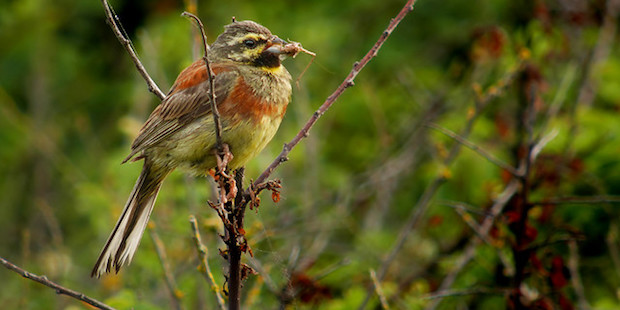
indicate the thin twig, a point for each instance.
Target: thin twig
{"x":192,"y":7}
{"x":511,"y":189}
{"x":379,"y":290}
{"x":484,"y":236}
{"x":568,"y":77}
{"x":263,"y":272}
{"x":59,"y":289}
{"x":122,"y":37}
{"x":384,"y":179}
{"x":578,"y":200}
{"x":165,"y":264}
{"x":536,"y":149}
{"x":612,"y":244}
{"x":482,"y":100}
{"x":215,"y":112}
{"x":313,"y":55}
{"x":348,"y":82}
{"x":575,"y":277}
{"x":471,"y":222}
{"x":474,"y":148}
{"x":204,"y":269}
{"x":470,"y":250}
{"x":600,"y":52}
{"x":466,"y":292}
{"x":232,"y":220}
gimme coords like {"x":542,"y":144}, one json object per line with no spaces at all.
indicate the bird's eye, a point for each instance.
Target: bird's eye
{"x":250,"y":43}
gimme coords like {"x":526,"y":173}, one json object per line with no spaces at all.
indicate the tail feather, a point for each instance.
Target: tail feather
{"x":125,"y":238}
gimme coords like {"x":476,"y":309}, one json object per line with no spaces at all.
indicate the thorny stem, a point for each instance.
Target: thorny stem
{"x":235,"y":242}
{"x":234,"y":272}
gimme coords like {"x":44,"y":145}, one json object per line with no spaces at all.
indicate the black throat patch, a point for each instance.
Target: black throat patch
{"x":268,"y":60}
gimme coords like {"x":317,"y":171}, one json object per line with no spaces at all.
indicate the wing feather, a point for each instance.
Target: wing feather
{"x":187,"y":100}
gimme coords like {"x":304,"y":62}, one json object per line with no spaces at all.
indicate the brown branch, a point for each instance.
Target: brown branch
{"x":235,"y":240}
{"x":59,"y":289}
{"x":216,"y":114}
{"x":234,"y":271}
{"x":204,"y":268}
{"x":122,"y":37}
{"x":348,"y":82}
{"x":163,"y":259}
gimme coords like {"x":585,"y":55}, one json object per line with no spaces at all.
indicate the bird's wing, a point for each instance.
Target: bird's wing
{"x":187,"y":100}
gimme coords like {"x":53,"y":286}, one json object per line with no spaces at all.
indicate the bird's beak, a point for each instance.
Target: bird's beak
{"x":275,"y":45}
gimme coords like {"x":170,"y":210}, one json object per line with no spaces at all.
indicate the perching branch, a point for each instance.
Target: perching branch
{"x":226,"y":208}
{"x":348,"y":82}
{"x":216,"y":114}
{"x":59,"y":289}
{"x":235,"y":237}
{"x":122,"y":37}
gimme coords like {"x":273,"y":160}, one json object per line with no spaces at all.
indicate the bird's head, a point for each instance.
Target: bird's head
{"x":248,"y":43}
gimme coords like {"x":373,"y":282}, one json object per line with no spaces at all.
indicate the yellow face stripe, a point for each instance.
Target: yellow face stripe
{"x":247,"y":55}
{"x":242,"y":37}
{"x":253,"y":36}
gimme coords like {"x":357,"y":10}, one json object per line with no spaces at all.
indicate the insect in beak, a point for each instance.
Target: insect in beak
{"x":275,"y":45}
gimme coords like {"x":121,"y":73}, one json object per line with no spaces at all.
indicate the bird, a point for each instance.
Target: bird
{"x":252,"y":90}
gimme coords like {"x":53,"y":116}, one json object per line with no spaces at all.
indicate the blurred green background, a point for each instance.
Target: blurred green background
{"x":71,"y":102}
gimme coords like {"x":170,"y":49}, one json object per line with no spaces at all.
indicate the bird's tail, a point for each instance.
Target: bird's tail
{"x":125,"y":238}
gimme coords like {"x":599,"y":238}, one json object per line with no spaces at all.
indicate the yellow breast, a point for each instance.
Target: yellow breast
{"x":249,"y":122}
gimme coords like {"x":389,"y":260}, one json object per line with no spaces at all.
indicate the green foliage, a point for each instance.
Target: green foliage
{"x":71,"y":102}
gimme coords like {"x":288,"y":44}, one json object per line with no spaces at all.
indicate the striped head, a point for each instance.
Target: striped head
{"x":248,"y":43}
